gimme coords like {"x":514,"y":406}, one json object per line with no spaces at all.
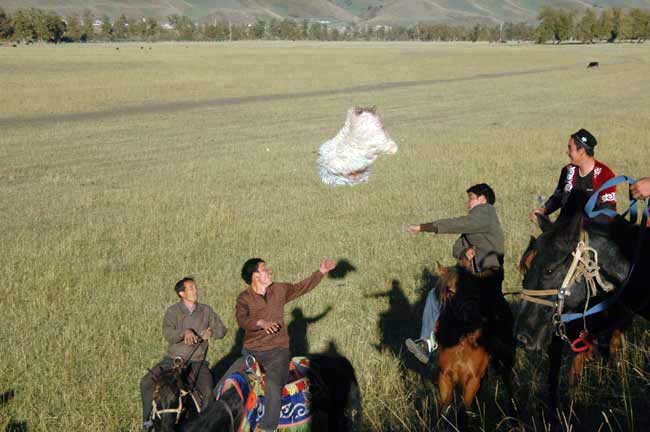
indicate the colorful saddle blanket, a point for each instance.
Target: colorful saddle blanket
{"x":295,"y":415}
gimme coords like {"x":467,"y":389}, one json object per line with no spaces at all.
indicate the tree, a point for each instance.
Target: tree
{"x":6,"y":26}
{"x":107,"y":28}
{"x":639,"y":24}
{"x":121,"y":27}
{"x":24,"y":26}
{"x":475,"y":34}
{"x":55,"y":26}
{"x":88,"y":32}
{"x":555,"y":24}
{"x":73,"y":31}
{"x":588,"y":27}
{"x":259,"y":29}
{"x":184,"y":26}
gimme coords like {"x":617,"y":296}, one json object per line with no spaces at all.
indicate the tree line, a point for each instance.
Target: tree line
{"x":554,"y":25}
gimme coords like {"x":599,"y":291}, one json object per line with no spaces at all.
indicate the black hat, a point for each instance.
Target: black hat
{"x":585,"y":138}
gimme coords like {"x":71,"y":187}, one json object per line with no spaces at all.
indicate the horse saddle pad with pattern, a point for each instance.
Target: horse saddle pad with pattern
{"x":295,"y":415}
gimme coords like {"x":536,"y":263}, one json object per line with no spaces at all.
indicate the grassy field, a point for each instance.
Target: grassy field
{"x":123,"y":170}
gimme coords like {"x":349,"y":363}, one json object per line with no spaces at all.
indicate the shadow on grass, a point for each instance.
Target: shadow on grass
{"x":343,"y":267}
{"x":298,"y":341}
{"x":402,"y":320}
{"x":13,"y":425}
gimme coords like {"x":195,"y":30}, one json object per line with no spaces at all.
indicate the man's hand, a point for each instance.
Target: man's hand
{"x":413,"y":229}
{"x":206,"y":334}
{"x":641,"y":189}
{"x":268,"y":326}
{"x":538,"y":210}
{"x":189,"y":337}
{"x":327,"y":265}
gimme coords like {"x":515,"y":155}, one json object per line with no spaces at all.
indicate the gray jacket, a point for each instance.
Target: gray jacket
{"x":178,"y":319}
{"x":480,"y":228}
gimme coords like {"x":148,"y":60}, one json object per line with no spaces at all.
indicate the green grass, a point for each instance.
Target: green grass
{"x":101,"y":215}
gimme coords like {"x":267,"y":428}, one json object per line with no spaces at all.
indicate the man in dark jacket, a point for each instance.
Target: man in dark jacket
{"x":584,"y":173}
{"x":481,"y":242}
{"x":187,"y":326}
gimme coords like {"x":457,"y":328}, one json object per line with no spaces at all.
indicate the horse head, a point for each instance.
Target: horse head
{"x":459,"y":294}
{"x":172,"y":399}
{"x":554,"y":280}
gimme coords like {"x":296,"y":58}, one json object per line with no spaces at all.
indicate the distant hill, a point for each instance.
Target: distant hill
{"x":360,"y":11}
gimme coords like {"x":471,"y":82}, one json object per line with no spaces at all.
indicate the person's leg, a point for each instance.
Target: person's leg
{"x":430,"y":315}
{"x":202,"y":379}
{"x":423,"y":347}
{"x":146,"y":388}
{"x":146,"y":394}
{"x":236,"y":366}
{"x":276,"y":366}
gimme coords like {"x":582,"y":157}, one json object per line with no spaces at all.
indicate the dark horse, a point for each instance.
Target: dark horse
{"x":475,"y":330}
{"x":334,"y":394}
{"x":545,"y":264}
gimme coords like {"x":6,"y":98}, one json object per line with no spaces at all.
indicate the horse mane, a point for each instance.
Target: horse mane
{"x":460,"y":313}
{"x":216,"y":417}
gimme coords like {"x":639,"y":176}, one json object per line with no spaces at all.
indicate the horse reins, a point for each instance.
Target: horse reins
{"x":178,"y":363}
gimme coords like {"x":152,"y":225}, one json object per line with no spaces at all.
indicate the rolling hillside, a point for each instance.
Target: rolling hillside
{"x":370,"y":11}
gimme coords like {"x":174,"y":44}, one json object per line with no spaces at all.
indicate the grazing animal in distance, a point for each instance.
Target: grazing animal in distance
{"x":593,"y":65}
{"x":346,"y":158}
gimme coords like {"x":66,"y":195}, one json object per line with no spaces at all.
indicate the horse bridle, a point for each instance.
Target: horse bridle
{"x":155,"y":412}
{"x":583,"y":266}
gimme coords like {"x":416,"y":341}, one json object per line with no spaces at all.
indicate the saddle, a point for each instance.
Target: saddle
{"x":295,"y":414}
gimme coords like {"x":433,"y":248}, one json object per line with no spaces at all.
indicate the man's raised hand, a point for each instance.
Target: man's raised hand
{"x":327,"y":265}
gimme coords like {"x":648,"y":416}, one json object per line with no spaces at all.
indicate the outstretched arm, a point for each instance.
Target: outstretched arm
{"x":296,"y":290}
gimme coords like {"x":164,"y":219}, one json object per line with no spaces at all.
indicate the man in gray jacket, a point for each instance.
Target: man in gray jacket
{"x":187,"y":326}
{"x":481,"y":242}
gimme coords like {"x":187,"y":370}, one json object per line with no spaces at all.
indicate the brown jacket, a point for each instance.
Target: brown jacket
{"x":252,"y":307}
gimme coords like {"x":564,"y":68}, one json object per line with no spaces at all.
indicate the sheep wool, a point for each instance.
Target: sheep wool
{"x":346,"y":158}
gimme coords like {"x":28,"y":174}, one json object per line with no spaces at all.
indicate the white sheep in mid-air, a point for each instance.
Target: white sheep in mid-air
{"x":346,"y":158}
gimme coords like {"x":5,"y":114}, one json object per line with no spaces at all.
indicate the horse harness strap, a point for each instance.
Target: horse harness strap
{"x":583,"y":266}
{"x":155,"y":412}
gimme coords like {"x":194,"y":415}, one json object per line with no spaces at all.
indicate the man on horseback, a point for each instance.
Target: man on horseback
{"x":260,"y":312}
{"x":481,"y":243}
{"x":584,"y":173}
{"x":187,"y":326}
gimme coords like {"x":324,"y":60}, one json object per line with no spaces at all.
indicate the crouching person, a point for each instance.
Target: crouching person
{"x":187,"y":326}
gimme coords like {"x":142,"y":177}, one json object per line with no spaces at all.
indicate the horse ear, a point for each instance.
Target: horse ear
{"x":443,"y":271}
{"x":527,"y":257}
{"x":544,"y":222}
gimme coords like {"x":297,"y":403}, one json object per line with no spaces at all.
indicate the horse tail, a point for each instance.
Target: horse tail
{"x":353,"y":408}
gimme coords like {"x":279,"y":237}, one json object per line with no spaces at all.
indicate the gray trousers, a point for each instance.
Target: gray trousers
{"x":275,"y":363}
{"x":203,"y":384}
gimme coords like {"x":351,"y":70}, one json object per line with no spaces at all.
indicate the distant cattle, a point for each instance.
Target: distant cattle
{"x":593,"y":65}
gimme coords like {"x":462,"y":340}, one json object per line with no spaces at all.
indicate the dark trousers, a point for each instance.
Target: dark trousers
{"x":199,"y":375}
{"x":275,"y":363}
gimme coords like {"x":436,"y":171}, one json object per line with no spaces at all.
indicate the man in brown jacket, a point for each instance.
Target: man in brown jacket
{"x":187,"y":326}
{"x":260,"y":312}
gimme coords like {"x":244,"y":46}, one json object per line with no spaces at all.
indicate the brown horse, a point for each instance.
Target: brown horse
{"x":475,"y":330}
